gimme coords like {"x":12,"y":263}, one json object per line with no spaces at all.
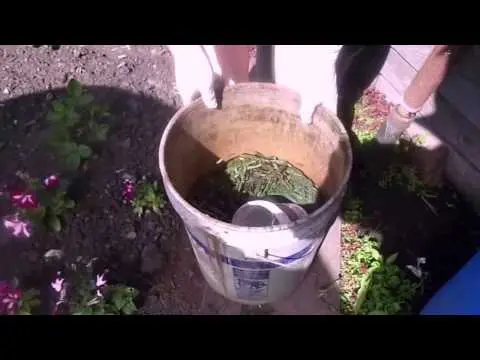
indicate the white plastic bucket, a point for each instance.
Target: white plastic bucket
{"x":254,"y":265}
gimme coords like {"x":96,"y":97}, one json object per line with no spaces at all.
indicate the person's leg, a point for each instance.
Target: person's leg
{"x":424,"y":84}
{"x":428,"y":78}
{"x":234,"y":61}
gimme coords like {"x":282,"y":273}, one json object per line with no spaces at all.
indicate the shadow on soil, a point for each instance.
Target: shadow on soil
{"x":442,"y":228}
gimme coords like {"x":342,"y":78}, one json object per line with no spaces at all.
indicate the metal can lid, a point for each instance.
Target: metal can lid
{"x":260,"y":213}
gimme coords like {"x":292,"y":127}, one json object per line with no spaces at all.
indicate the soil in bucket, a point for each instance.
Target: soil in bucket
{"x":248,"y":177}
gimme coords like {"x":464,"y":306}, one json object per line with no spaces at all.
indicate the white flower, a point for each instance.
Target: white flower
{"x":417,"y":270}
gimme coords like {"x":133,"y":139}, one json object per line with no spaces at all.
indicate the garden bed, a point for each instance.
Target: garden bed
{"x":401,"y":238}
{"x":132,"y":86}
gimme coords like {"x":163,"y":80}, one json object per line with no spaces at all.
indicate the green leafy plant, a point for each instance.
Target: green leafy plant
{"x":74,"y":126}
{"x":364,"y":136}
{"x":406,"y":177}
{"x":148,"y":197}
{"x":15,"y":302}
{"x":43,"y":202}
{"x":115,"y":300}
{"x":353,"y":210}
{"x":82,"y":292}
{"x":29,"y":303}
{"x":383,"y":288}
{"x":419,"y":140}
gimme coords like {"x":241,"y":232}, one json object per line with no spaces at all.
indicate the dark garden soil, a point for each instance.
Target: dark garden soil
{"x":151,"y":252}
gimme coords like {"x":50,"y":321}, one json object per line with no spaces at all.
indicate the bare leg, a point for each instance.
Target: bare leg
{"x":424,"y":84}
{"x":234,"y":61}
{"x":428,"y":78}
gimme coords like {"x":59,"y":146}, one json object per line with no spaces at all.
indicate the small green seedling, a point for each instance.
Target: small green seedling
{"x":406,"y":177}
{"x":74,"y":126}
{"x":419,"y":140}
{"x":149,"y":197}
{"x":364,"y":136}
{"x":353,"y":210}
{"x":117,"y":300}
{"x":56,"y":206}
{"x":120,"y":300}
{"x":403,"y":176}
{"x":29,"y":303}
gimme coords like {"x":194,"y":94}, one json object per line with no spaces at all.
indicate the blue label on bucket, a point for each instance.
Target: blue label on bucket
{"x":254,"y":264}
{"x":250,"y":283}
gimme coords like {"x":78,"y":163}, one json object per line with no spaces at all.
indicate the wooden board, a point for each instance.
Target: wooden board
{"x":464,"y":95}
{"x":465,"y":178}
{"x":469,"y":67}
{"x":397,"y":71}
{"x":414,"y":55}
{"x":382,"y":84}
{"x":454,"y":130}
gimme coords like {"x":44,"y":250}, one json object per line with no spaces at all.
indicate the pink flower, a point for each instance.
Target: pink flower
{"x":24,"y":200}
{"x":101,"y":282}
{"x":17,"y":227}
{"x":9,"y":299}
{"x":128,"y":191}
{"x":51,"y":182}
{"x":57,"y":285}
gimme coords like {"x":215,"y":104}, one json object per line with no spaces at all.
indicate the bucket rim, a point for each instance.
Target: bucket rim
{"x":229,"y":226}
